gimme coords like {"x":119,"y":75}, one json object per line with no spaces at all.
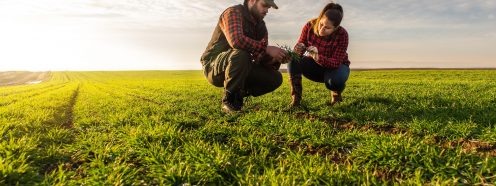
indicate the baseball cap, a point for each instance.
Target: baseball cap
{"x":271,"y":3}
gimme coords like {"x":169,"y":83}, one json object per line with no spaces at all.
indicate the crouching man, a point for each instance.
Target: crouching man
{"x":238,"y":57}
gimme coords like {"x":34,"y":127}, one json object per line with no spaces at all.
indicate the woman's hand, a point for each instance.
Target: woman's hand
{"x":313,"y":52}
{"x":299,"y":48}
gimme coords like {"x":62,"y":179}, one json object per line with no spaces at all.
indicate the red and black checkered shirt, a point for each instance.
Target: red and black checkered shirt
{"x":232,"y":25}
{"x":332,"y":48}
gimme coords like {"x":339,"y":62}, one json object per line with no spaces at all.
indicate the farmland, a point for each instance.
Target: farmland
{"x":22,"y":77}
{"x":166,"y":127}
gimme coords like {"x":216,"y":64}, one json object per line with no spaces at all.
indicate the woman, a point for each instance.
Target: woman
{"x":322,"y":45}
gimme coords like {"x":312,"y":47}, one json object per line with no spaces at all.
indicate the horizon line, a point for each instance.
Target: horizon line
{"x":282,"y":69}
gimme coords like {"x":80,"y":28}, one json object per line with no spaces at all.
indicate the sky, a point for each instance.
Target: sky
{"x":58,"y":35}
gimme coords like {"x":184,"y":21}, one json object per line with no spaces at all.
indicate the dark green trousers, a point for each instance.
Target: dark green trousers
{"x":235,"y":71}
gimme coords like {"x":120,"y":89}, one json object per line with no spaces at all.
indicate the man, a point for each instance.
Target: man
{"x":238,"y":57}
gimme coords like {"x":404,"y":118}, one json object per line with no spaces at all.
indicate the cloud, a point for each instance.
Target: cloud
{"x":368,"y":17}
{"x":183,"y":28}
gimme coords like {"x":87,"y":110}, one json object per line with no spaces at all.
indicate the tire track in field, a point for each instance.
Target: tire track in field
{"x":343,"y":124}
{"x":332,"y":153}
{"x":341,"y":155}
{"x":66,"y":117}
{"x":69,"y":112}
{"x":481,"y":148}
{"x":72,"y":163}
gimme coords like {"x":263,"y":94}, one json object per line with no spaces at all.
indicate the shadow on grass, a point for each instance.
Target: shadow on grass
{"x":437,"y":113}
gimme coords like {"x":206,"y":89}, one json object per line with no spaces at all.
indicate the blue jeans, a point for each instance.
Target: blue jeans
{"x":334,"y":79}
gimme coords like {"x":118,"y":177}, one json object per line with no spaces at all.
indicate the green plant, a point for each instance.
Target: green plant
{"x":166,"y":128}
{"x":293,"y":56}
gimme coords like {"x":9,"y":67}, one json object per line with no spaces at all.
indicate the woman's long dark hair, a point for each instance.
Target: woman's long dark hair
{"x":333,"y":12}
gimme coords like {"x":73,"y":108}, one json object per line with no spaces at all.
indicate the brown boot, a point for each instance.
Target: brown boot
{"x":336,"y":97}
{"x":296,"y":89}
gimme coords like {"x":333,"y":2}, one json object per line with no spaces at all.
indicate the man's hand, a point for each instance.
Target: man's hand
{"x":276,"y":53}
{"x":299,"y":48}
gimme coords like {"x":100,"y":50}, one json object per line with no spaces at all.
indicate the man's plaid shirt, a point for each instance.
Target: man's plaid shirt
{"x":238,"y":29}
{"x":232,"y":26}
{"x":332,"y":48}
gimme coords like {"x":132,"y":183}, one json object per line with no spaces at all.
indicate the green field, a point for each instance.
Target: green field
{"x":166,"y":127}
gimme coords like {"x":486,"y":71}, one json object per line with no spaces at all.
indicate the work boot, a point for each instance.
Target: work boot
{"x":296,"y":89}
{"x":336,"y":97}
{"x":231,"y":102}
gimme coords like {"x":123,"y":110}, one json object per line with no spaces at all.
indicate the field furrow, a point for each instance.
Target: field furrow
{"x":166,"y":128}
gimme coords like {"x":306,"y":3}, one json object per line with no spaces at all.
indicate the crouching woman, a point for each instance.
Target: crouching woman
{"x":323,"y":45}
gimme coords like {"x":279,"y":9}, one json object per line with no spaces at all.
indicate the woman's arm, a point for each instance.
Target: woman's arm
{"x":303,"y":38}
